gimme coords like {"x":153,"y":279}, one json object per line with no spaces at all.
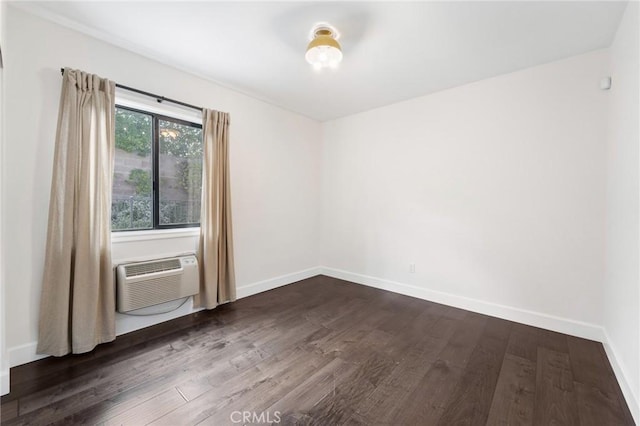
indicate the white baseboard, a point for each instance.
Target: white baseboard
{"x":633,"y":400}
{"x":536,"y":319}
{"x":27,"y":353}
{"x":260,"y":286}
{"x":4,"y":382}
{"x":23,"y":354}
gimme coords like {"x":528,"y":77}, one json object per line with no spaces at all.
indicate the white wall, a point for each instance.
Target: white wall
{"x":494,"y":190}
{"x":621,"y":294}
{"x":4,"y":362}
{"x":274,"y":168}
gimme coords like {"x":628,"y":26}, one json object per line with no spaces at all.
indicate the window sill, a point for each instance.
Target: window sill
{"x":153,"y":234}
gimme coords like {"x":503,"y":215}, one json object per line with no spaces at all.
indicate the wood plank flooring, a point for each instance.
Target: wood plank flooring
{"x":325,"y":352}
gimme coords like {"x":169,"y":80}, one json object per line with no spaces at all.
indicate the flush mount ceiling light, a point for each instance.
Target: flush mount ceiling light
{"x":324,"y":50}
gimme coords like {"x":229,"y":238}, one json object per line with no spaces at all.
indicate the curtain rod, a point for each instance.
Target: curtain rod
{"x":158,"y":98}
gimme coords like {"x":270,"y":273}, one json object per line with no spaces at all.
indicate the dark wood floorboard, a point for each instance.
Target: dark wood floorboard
{"x":325,"y":352}
{"x":470,"y":401}
{"x":555,"y":398}
{"x":513,"y":399}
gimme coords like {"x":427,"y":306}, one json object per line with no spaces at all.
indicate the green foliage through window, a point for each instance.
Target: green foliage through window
{"x":133,"y":130}
{"x":142,"y":181}
{"x":179,"y":140}
{"x":190,"y":174}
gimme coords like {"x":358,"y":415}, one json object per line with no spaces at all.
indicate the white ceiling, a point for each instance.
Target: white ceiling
{"x":392,"y":51}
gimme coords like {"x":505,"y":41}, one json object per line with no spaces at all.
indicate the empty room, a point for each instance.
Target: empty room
{"x":320,"y":213}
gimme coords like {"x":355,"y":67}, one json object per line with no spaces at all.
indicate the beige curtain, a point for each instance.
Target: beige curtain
{"x":77,"y":308}
{"x":215,"y":253}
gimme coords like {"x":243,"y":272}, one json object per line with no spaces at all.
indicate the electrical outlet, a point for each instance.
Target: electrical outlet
{"x":412,"y":268}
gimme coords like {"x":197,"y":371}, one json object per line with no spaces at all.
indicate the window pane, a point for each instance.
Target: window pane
{"x":132,"y":203}
{"x":180,"y":169}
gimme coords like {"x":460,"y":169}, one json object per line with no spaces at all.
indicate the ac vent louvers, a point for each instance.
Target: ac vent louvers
{"x":151,"y":267}
{"x":154,"y":282}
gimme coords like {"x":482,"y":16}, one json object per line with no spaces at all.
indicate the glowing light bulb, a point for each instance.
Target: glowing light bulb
{"x":323,"y":50}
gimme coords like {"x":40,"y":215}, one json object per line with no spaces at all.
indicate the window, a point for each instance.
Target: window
{"x":157,"y":176}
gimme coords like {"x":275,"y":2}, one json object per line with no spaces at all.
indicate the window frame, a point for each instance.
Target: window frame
{"x":155,"y":168}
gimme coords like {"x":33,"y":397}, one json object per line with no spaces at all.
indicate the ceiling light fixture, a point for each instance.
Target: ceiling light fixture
{"x":324,"y":50}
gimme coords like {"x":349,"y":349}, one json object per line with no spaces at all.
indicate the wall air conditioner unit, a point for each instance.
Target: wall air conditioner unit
{"x":144,"y":284}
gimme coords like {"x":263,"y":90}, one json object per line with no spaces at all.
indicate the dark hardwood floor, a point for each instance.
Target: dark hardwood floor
{"x":327,"y":352}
